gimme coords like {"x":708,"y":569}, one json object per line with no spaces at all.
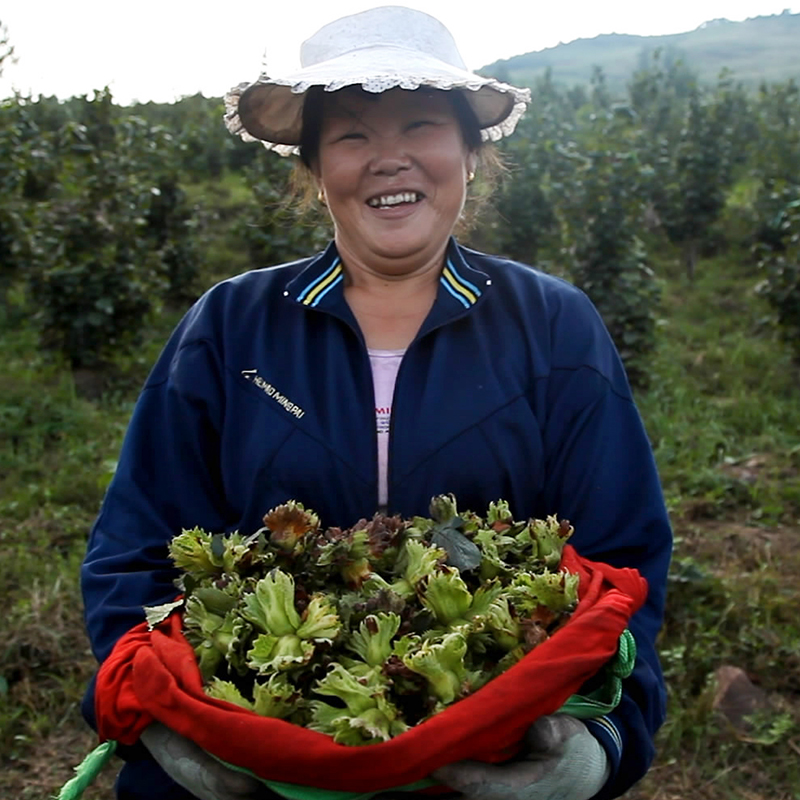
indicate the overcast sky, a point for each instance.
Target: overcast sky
{"x":163,"y":49}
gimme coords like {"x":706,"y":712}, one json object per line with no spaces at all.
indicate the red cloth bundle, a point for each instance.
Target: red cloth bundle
{"x":153,"y":675}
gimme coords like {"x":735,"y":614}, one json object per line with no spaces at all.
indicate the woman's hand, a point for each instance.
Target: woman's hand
{"x":561,"y":761}
{"x":197,"y":771}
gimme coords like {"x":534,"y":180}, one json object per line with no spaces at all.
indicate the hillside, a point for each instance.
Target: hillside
{"x":758,"y":49}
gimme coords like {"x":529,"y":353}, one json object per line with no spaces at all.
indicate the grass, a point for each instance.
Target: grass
{"x":726,"y":390}
{"x":57,"y":455}
{"x":723,"y":413}
{"x":724,"y":418}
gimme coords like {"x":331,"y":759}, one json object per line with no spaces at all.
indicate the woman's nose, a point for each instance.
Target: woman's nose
{"x":389,"y":158}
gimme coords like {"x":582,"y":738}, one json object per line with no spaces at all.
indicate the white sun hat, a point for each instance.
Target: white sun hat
{"x":380,"y":49}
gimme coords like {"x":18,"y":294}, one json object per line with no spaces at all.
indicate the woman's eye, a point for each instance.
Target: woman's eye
{"x":352,"y":135}
{"x":420,"y":123}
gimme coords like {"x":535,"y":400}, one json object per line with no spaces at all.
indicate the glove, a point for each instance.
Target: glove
{"x":561,"y":761}
{"x":198,"y":772}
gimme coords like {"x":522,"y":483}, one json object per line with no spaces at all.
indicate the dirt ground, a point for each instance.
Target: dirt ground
{"x":41,"y":774}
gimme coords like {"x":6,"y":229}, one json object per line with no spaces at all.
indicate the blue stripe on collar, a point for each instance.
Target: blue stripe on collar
{"x":336,"y":279}
{"x":465,"y":292}
{"x":464,"y":302}
{"x":319,"y":287}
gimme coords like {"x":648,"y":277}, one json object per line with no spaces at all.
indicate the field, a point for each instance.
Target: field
{"x":723,"y":413}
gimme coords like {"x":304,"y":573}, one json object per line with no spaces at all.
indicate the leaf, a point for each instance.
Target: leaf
{"x":227,"y":691}
{"x":462,"y":553}
{"x":218,"y":545}
{"x":157,"y":614}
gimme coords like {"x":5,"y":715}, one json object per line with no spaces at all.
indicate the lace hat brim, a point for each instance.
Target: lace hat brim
{"x":270,"y":110}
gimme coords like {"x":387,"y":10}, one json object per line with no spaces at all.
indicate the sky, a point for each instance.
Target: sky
{"x":163,"y":49}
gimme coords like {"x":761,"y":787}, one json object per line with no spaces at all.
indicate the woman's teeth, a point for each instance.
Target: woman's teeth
{"x":394,"y":199}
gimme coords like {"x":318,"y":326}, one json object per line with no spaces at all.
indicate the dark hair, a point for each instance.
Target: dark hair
{"x":317,"y":101}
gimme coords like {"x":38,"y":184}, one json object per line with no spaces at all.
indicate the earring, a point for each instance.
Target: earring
{"x":470,"y":176}
{"x":321,"y":197}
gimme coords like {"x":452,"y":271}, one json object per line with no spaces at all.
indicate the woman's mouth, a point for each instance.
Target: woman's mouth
{"x":392,"y":200}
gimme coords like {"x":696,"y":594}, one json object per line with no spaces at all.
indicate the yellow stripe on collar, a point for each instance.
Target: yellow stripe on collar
{"x":323,"y":284}
{"x":458,"y":286}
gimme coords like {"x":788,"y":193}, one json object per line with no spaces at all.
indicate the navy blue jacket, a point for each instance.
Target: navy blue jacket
{"x":512,"y":389}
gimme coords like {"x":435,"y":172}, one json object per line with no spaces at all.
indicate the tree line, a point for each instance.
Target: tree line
{"x":97,"y":231}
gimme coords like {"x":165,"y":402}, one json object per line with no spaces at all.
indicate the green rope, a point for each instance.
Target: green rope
{"x":87,"y":771}
{"x":606,"y":698}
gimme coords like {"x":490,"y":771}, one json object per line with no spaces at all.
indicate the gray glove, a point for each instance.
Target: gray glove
{"x":561,"y":761}
{"x":198,"y":772}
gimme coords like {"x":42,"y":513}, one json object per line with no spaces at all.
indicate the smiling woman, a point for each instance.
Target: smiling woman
{"x":393,"y":171}
{"x":394,"y":366}
{"x":319,"y":103}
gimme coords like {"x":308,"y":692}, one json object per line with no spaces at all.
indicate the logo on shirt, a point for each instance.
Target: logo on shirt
{"x":383,"y":415}
{"x":271,"y":392}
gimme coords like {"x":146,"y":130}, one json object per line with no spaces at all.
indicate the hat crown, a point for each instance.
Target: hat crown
{"x":392,"y":26}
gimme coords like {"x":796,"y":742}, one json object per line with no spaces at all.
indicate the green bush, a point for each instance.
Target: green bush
{"x":273,"y":230}
{"x":780,"y":262}
{"x":608,"y":259}
{"x":116,"y":239}
{"x":16,"y":168}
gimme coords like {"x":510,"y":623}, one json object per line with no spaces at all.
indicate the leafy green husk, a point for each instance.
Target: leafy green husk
{"x":364,"y":632}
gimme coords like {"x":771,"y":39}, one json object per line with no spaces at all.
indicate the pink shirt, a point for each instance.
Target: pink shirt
{"x":385,"y":364}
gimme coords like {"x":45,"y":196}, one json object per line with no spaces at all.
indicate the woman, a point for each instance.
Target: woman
{"x":491,"y":381}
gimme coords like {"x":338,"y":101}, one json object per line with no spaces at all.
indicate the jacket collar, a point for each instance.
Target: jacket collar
{"x":321,"y":286}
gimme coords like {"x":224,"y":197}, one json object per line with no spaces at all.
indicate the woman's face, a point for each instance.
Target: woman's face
{"x":393,"y":168}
